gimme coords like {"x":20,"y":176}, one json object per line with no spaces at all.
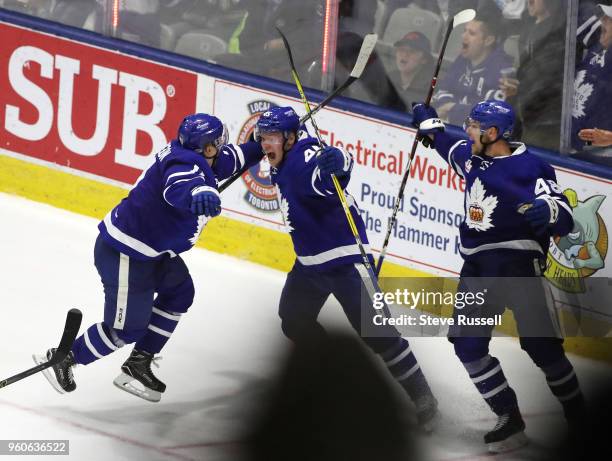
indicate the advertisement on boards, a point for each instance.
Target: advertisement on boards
{"x":87,"y":108}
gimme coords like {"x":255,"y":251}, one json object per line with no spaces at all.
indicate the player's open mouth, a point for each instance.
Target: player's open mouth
{"x":464,"y":46}
{"x":270,"y":155}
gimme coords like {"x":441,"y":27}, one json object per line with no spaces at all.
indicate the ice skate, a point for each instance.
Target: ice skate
{"x":507,"y":435}
{"x":59,"y":376}
{"x":138,"y":379}
{"x":427,"y":413}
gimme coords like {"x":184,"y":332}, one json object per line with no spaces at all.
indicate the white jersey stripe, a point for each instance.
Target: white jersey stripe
{"x":495,"y":391}
{"x":527,"y":245}
{"x":122,"y":291}
{"x":159,"y":331}
{"x":166,"y":314}
{"x":105,"y":339}
{"x":131,"y":242}
{"x":488,"y":374}
{"x":398,"y":357}
{"x":409,"y":373}
{"x":91,"y":347}
{"x":183,"y":173}
{"x":329,"y":255}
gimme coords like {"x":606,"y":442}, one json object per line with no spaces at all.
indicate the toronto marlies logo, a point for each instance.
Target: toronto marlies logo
{"x":582,"y":93}
{"x":261,"y":194}
{"x":479,"y":207}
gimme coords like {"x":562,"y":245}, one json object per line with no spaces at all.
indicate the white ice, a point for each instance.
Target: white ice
{"x":215,"y":365}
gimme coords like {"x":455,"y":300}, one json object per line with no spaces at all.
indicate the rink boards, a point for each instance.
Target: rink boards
{"x":79,"y":124}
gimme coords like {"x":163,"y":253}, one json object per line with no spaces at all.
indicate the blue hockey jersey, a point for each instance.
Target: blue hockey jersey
{"x":465,"y":84}
{"x":312,"y":211}
{"x":496,"y":187}
{"x":155,"y":218}
{"x":592,"y":93}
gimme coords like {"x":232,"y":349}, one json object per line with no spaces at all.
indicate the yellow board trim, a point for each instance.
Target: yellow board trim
{"x":223,"y":235}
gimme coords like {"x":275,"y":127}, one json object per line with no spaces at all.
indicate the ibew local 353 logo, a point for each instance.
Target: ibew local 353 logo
{"x":261,"y":194}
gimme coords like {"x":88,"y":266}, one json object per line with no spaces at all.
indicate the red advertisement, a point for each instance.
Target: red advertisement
{"x":85,"y":107}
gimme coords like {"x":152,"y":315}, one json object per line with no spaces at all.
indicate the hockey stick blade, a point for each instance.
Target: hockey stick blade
{"x":367,"y":47}
{"x":460,"y":18}
{"x":463,"y":16}
{"x":71,"y":329}
{"x":369,"y":42}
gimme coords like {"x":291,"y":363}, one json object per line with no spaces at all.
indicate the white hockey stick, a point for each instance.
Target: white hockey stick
{"x":460,"y":18}
{"x":369,"y":42}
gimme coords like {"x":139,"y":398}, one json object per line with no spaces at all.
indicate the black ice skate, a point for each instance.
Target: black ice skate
{"x":59,"y":376}
{"x":507,"y":435}
{"x":427,"y":413}
{"x":138,"y":379}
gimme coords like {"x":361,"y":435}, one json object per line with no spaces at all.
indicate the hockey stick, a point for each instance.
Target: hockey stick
{"x":367,"y":46}
{"x":460,"y":18}
{"x":71,"y":329}
{"x":339,"y":191}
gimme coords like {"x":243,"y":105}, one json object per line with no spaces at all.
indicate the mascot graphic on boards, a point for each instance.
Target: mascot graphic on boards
{"x":261,"y":194}
{"x":582,"y":252}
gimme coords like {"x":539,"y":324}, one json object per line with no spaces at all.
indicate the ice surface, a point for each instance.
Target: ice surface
{"x":219,"y":360}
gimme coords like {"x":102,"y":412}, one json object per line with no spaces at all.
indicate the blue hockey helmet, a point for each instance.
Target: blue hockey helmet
{"x":277,"y":119}
{"x":198,"y":130}
{"x":493,"y":113}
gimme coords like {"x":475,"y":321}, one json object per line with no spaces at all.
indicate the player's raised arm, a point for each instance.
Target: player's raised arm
{"x":234,"y":157}
{"x":431,"y":133}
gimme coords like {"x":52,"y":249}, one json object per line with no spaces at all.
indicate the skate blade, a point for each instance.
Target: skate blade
{"x":126,"y":383}
{"x":48,"y":373}
{"x":513,"y":442}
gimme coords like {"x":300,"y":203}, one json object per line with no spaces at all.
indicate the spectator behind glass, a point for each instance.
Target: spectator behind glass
{"x":475,"y":74}
{"x":38,"y":8}
{"x":355,"y":20}
{"x":538,"y":92}
{"x":373,"y":85}
{"x":256,"y":46}
{"x":139,"y":22}
{"x":356,"y":16}
{"x":593,"y":94}
{"x":414,"y":68}
{"x":73,"y":12}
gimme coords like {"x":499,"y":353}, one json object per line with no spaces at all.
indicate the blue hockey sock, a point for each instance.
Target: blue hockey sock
{"x":563,"y":383}
{"x":488,"y":377}
{"x":95,"y":343}
{"x":404,"y":367}
{"x":161,"y":326}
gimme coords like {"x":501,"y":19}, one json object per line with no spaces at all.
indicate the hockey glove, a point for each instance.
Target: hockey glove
{"x":333,"y":161}
{"x":542,"y":213}
{"x":425,"y":119}
{"x":205,"y":201}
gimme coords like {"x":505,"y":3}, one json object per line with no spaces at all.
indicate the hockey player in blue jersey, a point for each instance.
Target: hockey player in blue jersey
{"x":137,"y":253}
{"x":513,"y":206}
{"x":328,"y":260}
